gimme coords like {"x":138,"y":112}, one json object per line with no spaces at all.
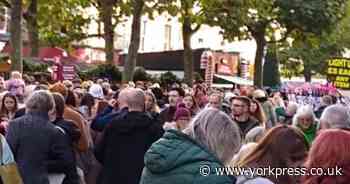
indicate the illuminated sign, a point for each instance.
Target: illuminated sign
{"x":338,"y":72}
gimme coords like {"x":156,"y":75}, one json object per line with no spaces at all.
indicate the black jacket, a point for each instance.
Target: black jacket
{"x":70,"y":134}
{"x":167,"y":115}
{"x":123,"y":146}
{"x":35,"y":141}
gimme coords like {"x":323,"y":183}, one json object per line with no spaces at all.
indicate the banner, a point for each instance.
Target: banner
{"x":338,"y":72}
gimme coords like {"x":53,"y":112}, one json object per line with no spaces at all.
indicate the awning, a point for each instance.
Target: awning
{"x":236,"y":80}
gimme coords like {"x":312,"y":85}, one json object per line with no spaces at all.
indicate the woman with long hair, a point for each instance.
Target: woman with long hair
{"x":87,"y":105}
{"x":330,"y":149}
{"x":8,"y":108}
{"x":268,"y":154}
{"x":151,"y":105}
{"x":257,"y":112}
{"x":191,"y":104}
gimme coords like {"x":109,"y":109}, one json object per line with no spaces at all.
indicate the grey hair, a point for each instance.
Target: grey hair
{"x":336,"y":116}
{"x":136,"y":99}
{"x":40,"y":101}
{"x":216,"y":131}
{"x":305,"y":110}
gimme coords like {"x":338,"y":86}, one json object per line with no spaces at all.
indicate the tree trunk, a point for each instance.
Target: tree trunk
{"x":33,"y":28}
{"x":107,"y":12}
{"x":188,"y":56}
{"x":16,"y":35}
{"x":130,"y":64}
{"x":307,"y":73}
{"x":258,"y":65}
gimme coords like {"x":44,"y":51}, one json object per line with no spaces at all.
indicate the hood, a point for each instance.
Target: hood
{"x":132,"y":121}
{"x":175,"y":150}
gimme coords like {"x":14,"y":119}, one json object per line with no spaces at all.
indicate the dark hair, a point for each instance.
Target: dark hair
{"x":59,"y":104}
{"x":70,"y":100}
{"x":89,"y":101}
{"x":179,"y":90}
{"x":3,"y":109}
{"x":243,"y":99}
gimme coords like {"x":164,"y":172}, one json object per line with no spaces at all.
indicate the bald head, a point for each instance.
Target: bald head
{"x":133,"y":98}
{"x":335,"y":117}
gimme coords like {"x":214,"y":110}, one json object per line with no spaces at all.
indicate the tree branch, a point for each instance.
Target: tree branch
{"x":196,"y":28}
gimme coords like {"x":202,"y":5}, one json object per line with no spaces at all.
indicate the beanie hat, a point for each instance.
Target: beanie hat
{"x":96,"y":91}
{"x":59,"y":87}
{"x":182,"y":112}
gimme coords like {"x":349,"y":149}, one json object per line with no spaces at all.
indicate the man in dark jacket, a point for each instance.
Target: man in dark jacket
{"x":70,"y":135}
{"x":240,"y":114}
{"x":167,"y":115}
{"x":35,"y":141}
{"x":125,"y":141}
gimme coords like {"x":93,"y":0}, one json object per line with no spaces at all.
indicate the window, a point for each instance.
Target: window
{"x":143,"y":35}
{"x":167,"y":43}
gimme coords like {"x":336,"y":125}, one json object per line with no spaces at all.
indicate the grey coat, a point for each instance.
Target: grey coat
{"x":35,"y":143}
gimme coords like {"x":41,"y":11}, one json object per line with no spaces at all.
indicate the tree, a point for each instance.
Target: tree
{"x":140,"y":74}
{"x":313,"y":50}
{"x":190,"y":15}
{"x":16,"y":35}
{"x":259,"y":20}
{"x":33,"y":30}
{"x":130,"y":64}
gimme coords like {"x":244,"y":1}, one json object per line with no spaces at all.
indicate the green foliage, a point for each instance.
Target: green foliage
{"x":197,"y":77}
{"x":310,"y":51}
{"x":30,"y":66}
{"x":62,"y":21}
{"x":140,"y":74}
{"x":168,"y":78}
{"x":102,"y":71}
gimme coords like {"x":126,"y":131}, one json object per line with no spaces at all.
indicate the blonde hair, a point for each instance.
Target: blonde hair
{"x":155,"y":107}
{"x":16,"y":75}
{"x":217,"y":132}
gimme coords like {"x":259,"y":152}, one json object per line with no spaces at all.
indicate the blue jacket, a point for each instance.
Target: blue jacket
{"x":106,"y":117}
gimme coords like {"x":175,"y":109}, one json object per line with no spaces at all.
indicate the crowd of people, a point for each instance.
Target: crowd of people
{"x":97,"y":132}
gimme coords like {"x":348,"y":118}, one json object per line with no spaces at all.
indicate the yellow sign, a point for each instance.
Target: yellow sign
{"x":338,"y":72}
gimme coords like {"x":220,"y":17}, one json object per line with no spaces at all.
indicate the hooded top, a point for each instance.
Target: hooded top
{"x":176,"y":159}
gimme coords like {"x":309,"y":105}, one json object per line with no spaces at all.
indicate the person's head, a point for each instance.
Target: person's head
{"x":215,"y":100}
{"x":96,"y":91}
{"x":71,"y":99}
{"x":182,"y":116}
{"x":326,"y":100}
{"x":123,"y":97}
{"x":216,"y":131}
{"x":59,"y":88}
{"x":16,"y":75}
{"x":59,"y":104}
{"x":257,"y":111}
{"x":190,"y":102}
{"x":68,"y":84}
{"x":87,"y":100}
{"x":151,"y":102}
{"x":240,"y":106}
{"x":283,"y":146}
{"x":335,"y":117}
{"x":330,"y":149}
{"x":260,"y":95}
{"x":76,"y":83}
{"x":9,"y":103}
{"x":304,"y":118}
{"x":136,"y":100}
{"x":40,"y":101}
{"x":291,"y":109}
{"x":174,"y":95}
